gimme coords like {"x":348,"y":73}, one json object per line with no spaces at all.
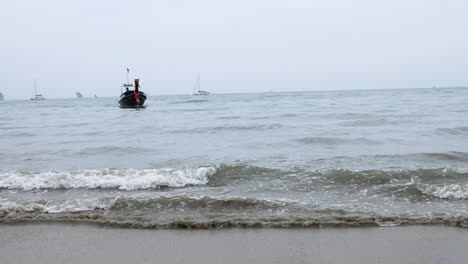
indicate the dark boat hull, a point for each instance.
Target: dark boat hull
{"x":127,"y":100}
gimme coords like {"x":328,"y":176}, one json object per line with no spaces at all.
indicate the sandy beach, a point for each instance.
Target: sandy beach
{"x":56,"y":243}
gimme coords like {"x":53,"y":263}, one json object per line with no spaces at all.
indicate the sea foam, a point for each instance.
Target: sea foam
{"x":450,"y":191}
{"x":125,"y":179}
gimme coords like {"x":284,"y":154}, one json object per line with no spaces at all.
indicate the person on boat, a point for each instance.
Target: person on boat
{"x":126,"y":89}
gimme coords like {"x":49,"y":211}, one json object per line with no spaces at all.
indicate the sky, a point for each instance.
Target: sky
{"x":236,"y":46}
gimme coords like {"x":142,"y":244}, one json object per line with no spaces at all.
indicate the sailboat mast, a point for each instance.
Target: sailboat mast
{"x":35,"y":87}
{"x":198,"y":82}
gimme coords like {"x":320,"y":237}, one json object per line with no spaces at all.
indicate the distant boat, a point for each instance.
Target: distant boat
{"x":131,"y":98}
{"x":196,"y":89}
{"x":37,"y":96}
{"x":79,"y":95}
{"x":2,"y":98}
{"x":95,"y":97}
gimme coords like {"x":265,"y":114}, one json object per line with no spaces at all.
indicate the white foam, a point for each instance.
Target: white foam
{"x":127,"y":179}
{"x":14,"y":206}
{"x":450,"y":191}
{"x":55,"y":206}
{"x":388,"y":224}
{"x":78,"y":205}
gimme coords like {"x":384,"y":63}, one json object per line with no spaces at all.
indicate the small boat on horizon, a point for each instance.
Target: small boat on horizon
{"x":37,"y":97}
{"x":79,"y":95}
{"x":196,"y":89}
{"x":2,"y":98}
{"x":132,"y":98}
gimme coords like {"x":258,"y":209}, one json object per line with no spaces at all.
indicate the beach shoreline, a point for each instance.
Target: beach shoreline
{"x":78,"y":243}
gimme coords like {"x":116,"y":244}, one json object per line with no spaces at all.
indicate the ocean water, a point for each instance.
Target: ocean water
{"x":299,"y":159}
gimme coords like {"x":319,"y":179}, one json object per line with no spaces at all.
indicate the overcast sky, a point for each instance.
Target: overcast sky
{"x":237,"y":46}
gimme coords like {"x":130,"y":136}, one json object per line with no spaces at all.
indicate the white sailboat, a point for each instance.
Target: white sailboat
{"x":196,"y":89}
{"x":36,"y":95}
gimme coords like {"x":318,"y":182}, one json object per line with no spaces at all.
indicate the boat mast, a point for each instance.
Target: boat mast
{"x":35,"y":88}
{"x":195,"y":87}
{"x":198,"y":82}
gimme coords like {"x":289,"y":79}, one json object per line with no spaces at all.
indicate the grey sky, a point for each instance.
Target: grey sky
{"x":237,"y":46}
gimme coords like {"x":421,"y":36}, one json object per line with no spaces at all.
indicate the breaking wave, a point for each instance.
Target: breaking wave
{"x":124,"y":179}
{"x":438,"y":183}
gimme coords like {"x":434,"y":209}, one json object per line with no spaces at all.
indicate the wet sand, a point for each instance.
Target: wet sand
{"x":56,"y":243}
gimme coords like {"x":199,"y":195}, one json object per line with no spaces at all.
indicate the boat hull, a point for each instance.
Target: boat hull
{"x":202,"y":93}
{"x":127,"y":100}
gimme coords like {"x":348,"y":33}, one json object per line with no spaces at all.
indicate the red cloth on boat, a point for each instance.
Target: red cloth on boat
{"x":137,"y":96}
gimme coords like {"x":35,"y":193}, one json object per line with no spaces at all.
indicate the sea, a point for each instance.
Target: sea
{"x":263,"y":160}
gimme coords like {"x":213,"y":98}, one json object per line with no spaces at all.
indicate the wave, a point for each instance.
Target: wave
{"x":185,"y":110}
{"x":19,"y":134}
{"x":429,"y":183}
{"x":418,"y":191}
{"x":131,"y":179}
{"x":245,"y":127}
{"x":373,"y":122}
{"x":375,"y":177}
{"x":182,"y":203}
{"x":138,"y":223}
{"x":446,"y":191}
{"x":288,"y":115}
{"x":231,"y":173}
{"x":219,"y":205}
{"x":228,"y":117}
{"x":205,"y":213}
{"x":123,"y":179}
{"x":190,"y":101}
{"x":226,"y":175}
{"x":79,"y":124}
{"x":410,"y":161}
{"x":452,"y":155}
{"x":439,"y":183}
{"x":335,"y":141}
{"x":111,"y":150}
{"x":254,"y":127}
{"x":454,"y":131}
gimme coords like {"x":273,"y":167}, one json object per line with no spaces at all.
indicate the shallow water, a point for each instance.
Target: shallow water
{"x":383,"y":157}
